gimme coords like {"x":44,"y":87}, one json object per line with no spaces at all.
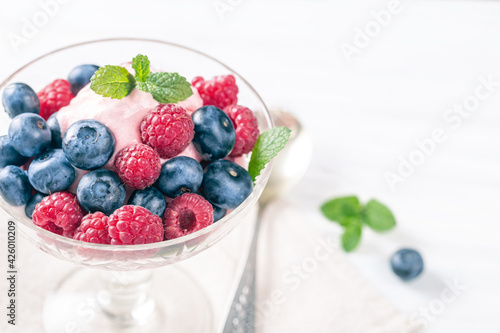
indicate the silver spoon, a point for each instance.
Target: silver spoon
{"x":289,"y":167}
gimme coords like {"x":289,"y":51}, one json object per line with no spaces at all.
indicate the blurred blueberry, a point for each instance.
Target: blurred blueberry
{"x":407,"y":264}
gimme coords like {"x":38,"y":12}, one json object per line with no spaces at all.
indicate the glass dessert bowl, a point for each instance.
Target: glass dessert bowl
{"x":120,"y":286}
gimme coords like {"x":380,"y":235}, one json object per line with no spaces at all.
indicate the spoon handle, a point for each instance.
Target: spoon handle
{"x":241,"y":315}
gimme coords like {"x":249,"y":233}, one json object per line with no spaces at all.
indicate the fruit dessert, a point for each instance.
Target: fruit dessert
{"x":127,"y":155}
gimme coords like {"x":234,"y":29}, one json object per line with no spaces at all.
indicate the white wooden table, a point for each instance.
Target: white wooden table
{"x":397,"y":85}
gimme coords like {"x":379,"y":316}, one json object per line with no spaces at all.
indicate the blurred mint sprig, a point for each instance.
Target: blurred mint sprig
{"x":116,"y":82}
{"x":352,"y":216}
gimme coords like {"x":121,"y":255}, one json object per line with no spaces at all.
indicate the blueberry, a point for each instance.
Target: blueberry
{"x":407,"y":264}
{"x":180,"y":175}
{"x":19,"y":98}
{"x":151,"y":199}
{"x":226,"y":184}
{"x":80,"y":76}
{"x":214,"y":134}
{"x":218,"y":212}
{"x":8,"y":155}
{"x":88,"y":144}
{"x":35,"y":200}
{"x":29,"y":134}
{"x":55,"y":129}
{"x":101,"y":191}
{"x":15,"y":187}
{"x":51,"y":172}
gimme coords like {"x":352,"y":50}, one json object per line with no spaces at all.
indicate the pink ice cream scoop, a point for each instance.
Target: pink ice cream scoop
{"x":122,"y":116}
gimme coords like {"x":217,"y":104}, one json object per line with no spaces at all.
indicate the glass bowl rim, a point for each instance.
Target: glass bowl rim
{"x":259,"y":184}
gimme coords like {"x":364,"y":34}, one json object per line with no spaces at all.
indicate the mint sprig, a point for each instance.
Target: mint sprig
{"x":268,"y":145}
{"x":116,"y":82}
{"x":342,"y":210}
{"x":351,"y":215}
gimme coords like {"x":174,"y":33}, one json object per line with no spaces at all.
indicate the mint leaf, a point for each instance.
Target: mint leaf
{"x":378,"y":217}
{"x":140,"y":64}
{"x":351,"y":237}
{"x":166,"y":87}
{"x":112,"y":81}
{"x":268,"y":145}
{"x":342,"y":210}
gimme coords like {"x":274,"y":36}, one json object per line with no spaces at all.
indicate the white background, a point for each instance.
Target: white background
{"x":363,"y":115}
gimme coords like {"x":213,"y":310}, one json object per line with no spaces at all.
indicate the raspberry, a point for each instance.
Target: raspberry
{"x":186,"y":214}
{"x":168,"y":129}
{"x":60,"y":213}
{"x":138,"y":166}
{"x":53,"y":228}
{"x":221,"y":91}
{"x":134,"y":225}
{"x":93,"y":229}
{"x":246,"y":127}
{"x":53,"y":97}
